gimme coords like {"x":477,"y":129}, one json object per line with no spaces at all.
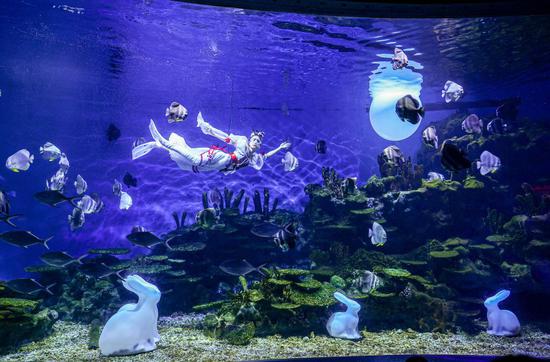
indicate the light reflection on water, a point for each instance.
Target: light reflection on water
{"x":386,"y":86}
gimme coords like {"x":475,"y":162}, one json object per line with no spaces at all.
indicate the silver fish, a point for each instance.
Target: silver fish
{"x":76,"y":219}
{"x":400,"y":59}
{"x":125,"y":201}
{"x":176,"y":112}
{"x":367,"y":282}
{"x":393,"y":154}
{"x":215,"y":198}
{"x":435,"y":176}
{"x":90,"y":204}
{"x":57,"y":182}
{"x":429,"y":136}
{"x":64,"y":163}
{"x":50,"y":152}
{"x":239,"y":267}
{"x":117,"y":188}
{"x":80,"y":185}
{"x":20,"y":161}
{"x":4,"y":203}
{"x":290,"y":162}
{"x":472,"y":124}
{"x":452,"y":91}
{"x":377,"y":234}
{"x":488,"y":163}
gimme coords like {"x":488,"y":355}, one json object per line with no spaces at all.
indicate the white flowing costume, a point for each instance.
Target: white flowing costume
{"x":203,"y":158}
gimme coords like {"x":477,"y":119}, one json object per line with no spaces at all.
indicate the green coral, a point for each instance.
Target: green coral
{"x":310,"y":284}
{"x":85,"y":298}
{"x":456,"y":242}
{"x":285,"y":306}
{"x":322,"y":297}
{"x":441,"y":185}
{"x":516,"y":271}
{"x":18,"y":305}
{"x":338,"y":282}
{"x":109,"y":251}
{"x":374,"y":187}
{"x":279,"y":281}
{"x":496,"y":238}
{"x":396,"y":272}
{"x":444,"y":254}
{"x":21,"y":320}
{"x":471,"y":182}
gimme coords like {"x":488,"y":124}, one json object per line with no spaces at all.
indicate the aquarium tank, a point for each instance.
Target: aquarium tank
{"x":191,"y":182}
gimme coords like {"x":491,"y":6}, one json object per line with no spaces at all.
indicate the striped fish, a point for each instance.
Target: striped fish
{"x":472,"y":124}
{"x":488,"y":163}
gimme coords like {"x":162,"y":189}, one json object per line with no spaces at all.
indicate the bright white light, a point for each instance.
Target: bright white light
{"x":386,"y":86}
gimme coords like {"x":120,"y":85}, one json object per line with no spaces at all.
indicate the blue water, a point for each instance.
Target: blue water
{"x":66,"y":73}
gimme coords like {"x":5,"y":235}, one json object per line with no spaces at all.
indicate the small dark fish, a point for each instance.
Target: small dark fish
{"x":321,"y":147}
{"x":508,"y":111}
{"x":408,"y":109}
{"x":4,"y":203}
{"x":60,"y":259}
{"x":497,"y":126}
{"x":286,"y":237}
{"x":239,"y":267}
{"x":453,"y":158}
{"x":117,"y":188}
{"x":54,"y":198}
{"x":8,"y":219}
{"x":28,"y":286}
{"x":144,"y":238}
{"x":23,"y":239}
{"x":113,"y":133}
{"x":129,"y":180}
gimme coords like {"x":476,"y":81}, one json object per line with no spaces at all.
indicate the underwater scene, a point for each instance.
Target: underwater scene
{"x":195,"y":183}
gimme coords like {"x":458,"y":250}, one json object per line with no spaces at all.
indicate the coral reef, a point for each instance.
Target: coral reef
{"x":22,"y":320}
{"x":285,"y":301}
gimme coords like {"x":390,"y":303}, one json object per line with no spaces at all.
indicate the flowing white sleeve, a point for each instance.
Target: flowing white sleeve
{"x":257,"y":161}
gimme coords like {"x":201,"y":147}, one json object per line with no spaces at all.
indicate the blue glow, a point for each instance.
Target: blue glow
{"x":386,"y":86}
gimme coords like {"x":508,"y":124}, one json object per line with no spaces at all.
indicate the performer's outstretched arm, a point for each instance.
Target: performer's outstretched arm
{"x":283,"y":146}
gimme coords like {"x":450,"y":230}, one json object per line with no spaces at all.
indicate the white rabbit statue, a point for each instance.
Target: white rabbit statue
{"x":133,"y":329}
{"x":501,"y":322}
{"x":344,"y":324}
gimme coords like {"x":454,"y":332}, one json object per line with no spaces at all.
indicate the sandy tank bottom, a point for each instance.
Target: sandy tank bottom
{"x":182,"y":340}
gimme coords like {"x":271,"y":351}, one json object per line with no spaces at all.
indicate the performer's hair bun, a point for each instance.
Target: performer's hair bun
{"x":259,"y":134}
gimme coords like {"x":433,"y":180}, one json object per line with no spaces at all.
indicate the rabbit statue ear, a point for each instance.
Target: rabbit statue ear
{"x":500,"y":296}
{"x":342,"y":298}
{"x":503,"y":294}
